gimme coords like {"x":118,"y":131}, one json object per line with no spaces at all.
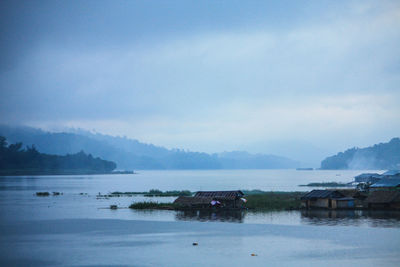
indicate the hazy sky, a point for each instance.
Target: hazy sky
{"x":295,"y":78}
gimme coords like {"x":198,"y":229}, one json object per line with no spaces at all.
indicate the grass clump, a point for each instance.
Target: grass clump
{"x":174,"y":193}
{"x":274,"y":200}
{"x":42,"y":194}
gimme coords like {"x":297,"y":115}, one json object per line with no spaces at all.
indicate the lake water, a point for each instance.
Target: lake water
{"x":78,"y":229}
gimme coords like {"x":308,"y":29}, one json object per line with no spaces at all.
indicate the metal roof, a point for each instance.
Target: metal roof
{"x":368,"y":175}
{"x":314,"y":194}
{"x":387,"y":182}
{"x":227,"y":195}
{"x":391,"y":172}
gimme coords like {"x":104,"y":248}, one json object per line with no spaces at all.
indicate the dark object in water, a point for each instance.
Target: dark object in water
{"x":195,"y":243}
{"x":42,"y":194}
{"x":113,"y":207}
{"x":56,"y":193}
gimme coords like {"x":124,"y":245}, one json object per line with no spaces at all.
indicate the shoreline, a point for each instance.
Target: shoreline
{"x":51,"y":173}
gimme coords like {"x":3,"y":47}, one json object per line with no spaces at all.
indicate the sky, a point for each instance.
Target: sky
{"x":302,"y":79}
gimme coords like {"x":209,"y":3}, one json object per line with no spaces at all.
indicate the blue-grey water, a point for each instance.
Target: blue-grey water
{"x":77,"y":228}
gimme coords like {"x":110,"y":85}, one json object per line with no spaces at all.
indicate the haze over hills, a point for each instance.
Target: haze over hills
{"x":377,"y":157}
{"x":132,"y":154}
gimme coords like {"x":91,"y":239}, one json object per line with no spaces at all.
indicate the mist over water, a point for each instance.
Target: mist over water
{"x":194,"y":95}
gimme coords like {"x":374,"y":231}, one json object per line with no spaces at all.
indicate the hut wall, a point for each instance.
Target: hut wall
{"x":239,"y":203}
{"x":334,"y":203}
{"x":320,"y":203}
{"x":344,"y":204}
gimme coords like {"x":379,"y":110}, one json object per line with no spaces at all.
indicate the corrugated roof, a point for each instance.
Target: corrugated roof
{"x":228,"y":195}
{"x":184,"y":200}
{"x":387,"y":182}
{"x":314,"y":194}
{"x":391,"y":172}
{"x":381,"y":197}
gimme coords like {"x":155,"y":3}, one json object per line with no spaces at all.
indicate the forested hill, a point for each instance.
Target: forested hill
{"x":131,"y":154}
{"x":14,"y":160}
{"x":383,"y":156}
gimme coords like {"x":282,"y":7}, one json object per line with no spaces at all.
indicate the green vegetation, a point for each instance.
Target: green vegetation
{"x":17,"y":161}
{"x":326,"y":184}
{"x":174,"y":193}
{"x":274,"y":200}
{"x":256,"y":200}
{"x":42,"y":194}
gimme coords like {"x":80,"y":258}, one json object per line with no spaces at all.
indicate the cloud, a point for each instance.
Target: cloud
{"x":333,"y":76}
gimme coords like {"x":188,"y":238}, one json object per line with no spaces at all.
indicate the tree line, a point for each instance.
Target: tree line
{"x":383,"y":156}
{"x":14,"y":159}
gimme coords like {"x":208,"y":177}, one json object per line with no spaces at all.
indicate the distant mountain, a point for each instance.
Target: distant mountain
{"x":132,"y":154}
{"x":245,"y":160}
{"x":383,"y":156}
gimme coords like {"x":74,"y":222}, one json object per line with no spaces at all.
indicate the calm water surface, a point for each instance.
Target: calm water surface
{"x":75,"y":229}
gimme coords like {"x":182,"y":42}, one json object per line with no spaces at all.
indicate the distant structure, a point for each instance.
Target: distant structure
{"x":374,"y":180}
{"x":368,"y":178}
{"x":386,"y":183}
{"x":391,"y":173}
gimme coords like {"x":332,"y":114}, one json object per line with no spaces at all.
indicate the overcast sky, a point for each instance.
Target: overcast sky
{"x":296,"y":78}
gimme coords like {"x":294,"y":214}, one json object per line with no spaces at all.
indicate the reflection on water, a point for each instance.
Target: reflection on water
{"x":362,"y":218}
{"x":373,"y":218}
{"x":207,"y":215}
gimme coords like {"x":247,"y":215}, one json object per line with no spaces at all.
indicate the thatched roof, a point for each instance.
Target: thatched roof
{"x":381,"y":197}
{"x":221,"y":195}
{"x":316,"y":194}
{"x":184,"y":200}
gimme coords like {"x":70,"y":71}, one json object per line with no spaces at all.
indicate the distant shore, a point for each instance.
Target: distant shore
{"x":57,"y":172}
{"x":327,"y":184}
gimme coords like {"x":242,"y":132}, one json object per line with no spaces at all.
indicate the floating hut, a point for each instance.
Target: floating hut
{"x":383,"y":200}
{"x":328,"y":199}
{"x":209,"y":199}
{"x":194,"y":202}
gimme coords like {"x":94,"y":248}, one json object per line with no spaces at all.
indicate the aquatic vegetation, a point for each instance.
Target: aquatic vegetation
{"x":274,"y":200}
{"x":327,"y":184}
{"x":257,"y":200}
{"x":174,"y":193}
{"x":42,"y":194}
